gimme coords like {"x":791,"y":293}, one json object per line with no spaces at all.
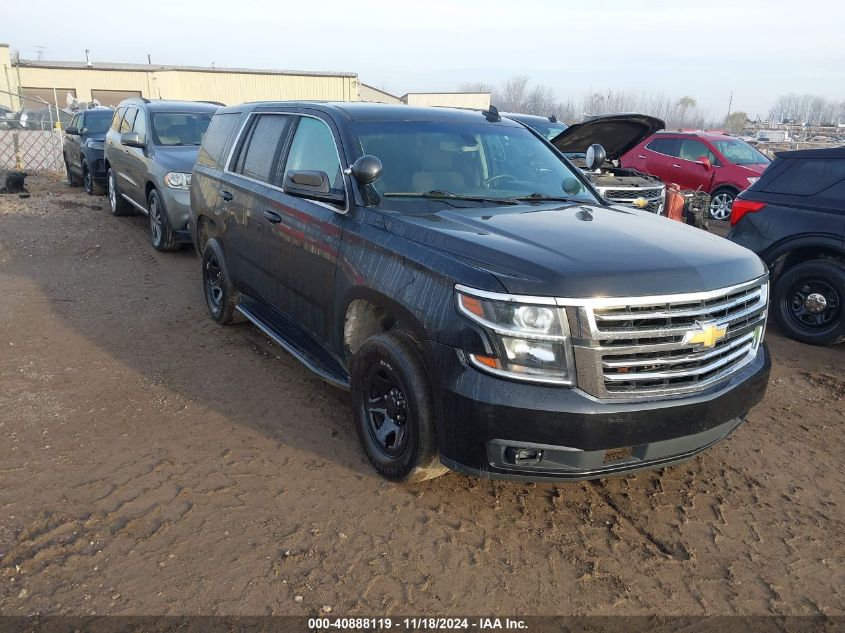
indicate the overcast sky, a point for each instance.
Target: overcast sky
{"x":757,"y":49}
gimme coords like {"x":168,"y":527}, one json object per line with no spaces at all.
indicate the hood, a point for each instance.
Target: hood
{"x":617,"y":133}
{"x":579,"y":250}
{"x":755,"y":168}
{"x":178,"y":158}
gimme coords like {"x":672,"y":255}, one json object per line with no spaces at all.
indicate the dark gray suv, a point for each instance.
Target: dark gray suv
{"x":151,"y":149}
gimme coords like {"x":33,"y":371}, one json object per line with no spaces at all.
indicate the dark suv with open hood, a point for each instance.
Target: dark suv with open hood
{"x":488,"y":310}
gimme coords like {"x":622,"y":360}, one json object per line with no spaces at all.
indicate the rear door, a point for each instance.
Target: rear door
{"x":251,"y":183}
{"x":660,"y":154}
{"x":72,"y":145}
{"x":135,"y":167}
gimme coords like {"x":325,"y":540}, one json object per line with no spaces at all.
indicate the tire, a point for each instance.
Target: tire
{"x":72,"y":180}
{"x":796,"y":306}
{"x":91,"y":188}
{"x":221,"y":298}
{"x":161,"y":235}
{"x":393,"y":408}
{"x":721,"y":202}
{"x":118,"y":206}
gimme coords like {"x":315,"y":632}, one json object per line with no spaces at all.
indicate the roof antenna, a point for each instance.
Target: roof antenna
{"x":553,"y":119}
{"x":492,"y":114}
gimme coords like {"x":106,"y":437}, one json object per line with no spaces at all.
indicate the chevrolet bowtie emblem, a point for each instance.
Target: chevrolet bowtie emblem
{"x":707,"y":334}
{"x":640,"y":203}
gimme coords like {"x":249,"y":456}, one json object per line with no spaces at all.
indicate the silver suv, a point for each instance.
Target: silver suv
{"x":151,"y":149}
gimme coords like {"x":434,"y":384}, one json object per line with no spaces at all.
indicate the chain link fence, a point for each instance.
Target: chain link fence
{"x":31,"y":137}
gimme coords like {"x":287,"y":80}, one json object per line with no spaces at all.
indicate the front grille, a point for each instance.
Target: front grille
{"x":625,"y":195}
{"x":648,"y":347}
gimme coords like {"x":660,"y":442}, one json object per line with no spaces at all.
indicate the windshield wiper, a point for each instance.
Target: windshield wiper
{"x":438,"y":194}
{"x":541,"y":197}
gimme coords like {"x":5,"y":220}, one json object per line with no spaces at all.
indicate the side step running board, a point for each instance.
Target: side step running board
{"x":296,"y":342}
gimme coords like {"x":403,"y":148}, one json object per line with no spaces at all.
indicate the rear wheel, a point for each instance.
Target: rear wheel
{"x":118,"y":205}
{"x":221,"y":298}
{"x":721,"y":204}
{"x":91,"y":187}
{"x":809,"y":302}
{"x":393,"y":408}
{"x":161,"y":235}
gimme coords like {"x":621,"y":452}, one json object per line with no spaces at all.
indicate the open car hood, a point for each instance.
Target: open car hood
{"x":617,"y":133}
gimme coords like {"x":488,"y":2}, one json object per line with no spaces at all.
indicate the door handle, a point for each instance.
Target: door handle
{"x":676,"y":166}
{"x":272,"y":217}
{"x":640,"y":156}
{"x":225,"y":195}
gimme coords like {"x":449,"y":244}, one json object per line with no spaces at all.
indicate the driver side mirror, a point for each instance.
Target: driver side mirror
{"x":366,"y":170}
{"x":133,"y":139}
{"x":705,"y":162}
{"x":311,"y":184}
{"x":72,"y":131}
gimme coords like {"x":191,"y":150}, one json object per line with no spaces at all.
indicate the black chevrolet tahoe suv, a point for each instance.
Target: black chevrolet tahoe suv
{"x":793,"y":217}
{"x":487,"y":310}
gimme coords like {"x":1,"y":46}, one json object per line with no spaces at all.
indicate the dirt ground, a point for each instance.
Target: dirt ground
{"x":152,"y":462}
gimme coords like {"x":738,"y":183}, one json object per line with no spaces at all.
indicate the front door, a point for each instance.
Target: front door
{"x":692,"y":174}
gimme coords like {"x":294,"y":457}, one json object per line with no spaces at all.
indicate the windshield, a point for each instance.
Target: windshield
{"x":740,"y":153}
{"x":97,"y":122}
{"x":180,"y":128}
{"x":547,"y":129}
{"x":478,"y":160}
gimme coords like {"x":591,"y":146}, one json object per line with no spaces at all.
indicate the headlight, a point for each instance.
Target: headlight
{"x":530,"y":336}
{"x":751,"y":181}
{"x":178,"y":180}
{"x":95,"y":145}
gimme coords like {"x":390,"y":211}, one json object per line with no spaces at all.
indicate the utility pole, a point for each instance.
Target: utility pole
{"x":87,"y":58}
{"x":730,"y":103}
{"x":149,"y":59}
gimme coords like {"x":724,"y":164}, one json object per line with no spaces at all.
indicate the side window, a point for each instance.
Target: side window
{"x":667,"y":146}
{"x":140,"y":125}
{"x":260,"y":152}
{"x":313,"y":149}
{"x":128,"y":120}
{"x":118,"y":115}
{"x":215,"y":142}
{"x":693,"y":150}
{"x":76,"y":122}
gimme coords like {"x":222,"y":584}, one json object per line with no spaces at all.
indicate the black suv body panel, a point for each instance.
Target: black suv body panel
{"x":307,"y":262}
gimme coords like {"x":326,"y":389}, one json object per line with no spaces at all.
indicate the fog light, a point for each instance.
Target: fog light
{"x":520,"y":456}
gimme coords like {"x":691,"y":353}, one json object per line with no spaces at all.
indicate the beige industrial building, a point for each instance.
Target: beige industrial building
{"x":109,"y":83}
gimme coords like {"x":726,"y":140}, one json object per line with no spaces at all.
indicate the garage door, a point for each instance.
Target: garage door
{"x":47,"y":95}
{"x":113,"y":97}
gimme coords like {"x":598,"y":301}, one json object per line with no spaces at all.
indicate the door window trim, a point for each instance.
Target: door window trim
{"x":246,"y":128}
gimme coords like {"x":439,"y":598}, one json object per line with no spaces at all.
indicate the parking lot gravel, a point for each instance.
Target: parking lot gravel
{"x":152,"y":462}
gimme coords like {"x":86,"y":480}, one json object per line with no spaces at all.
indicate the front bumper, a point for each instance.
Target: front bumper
{"x":484,"y":421}
{"x":177,"y":205}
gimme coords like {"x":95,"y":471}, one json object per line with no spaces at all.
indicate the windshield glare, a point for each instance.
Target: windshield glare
{"x":486,"y":160}
{"x":180,"y":128}
{"x":740,"y":153}
{"x":97,"y":122}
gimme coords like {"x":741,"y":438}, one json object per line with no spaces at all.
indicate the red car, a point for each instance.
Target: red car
{"x":721,"y":165}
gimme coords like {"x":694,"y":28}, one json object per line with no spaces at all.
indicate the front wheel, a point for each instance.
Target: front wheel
{"x":161,"y":235}
{"x":721,"y":204}
{"x":808,"y":302}
{"x":91,"y":187}
{"x":393,"y":408}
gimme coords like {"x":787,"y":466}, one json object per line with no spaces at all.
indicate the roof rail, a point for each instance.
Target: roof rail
{"x":222,"y":105}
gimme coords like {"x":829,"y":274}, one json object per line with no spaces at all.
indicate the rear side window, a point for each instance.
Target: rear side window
{"x":313,"y":149}
{"x":259,"y":154}
{"x":806,"y":177}
{"x":668,"y":146}
{"x":693,"y":150}
{"x":128,"y":120}
{"x":216,"y":139}
{"x":118,"y":115}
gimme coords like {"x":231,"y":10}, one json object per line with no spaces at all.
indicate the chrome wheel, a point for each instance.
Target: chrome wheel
{"x":720,"y":205}
{"x":156,"y":229}
{"x":112,"y":193}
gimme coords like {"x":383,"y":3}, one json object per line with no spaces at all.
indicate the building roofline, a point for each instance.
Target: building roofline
{"x":56,"y":65}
